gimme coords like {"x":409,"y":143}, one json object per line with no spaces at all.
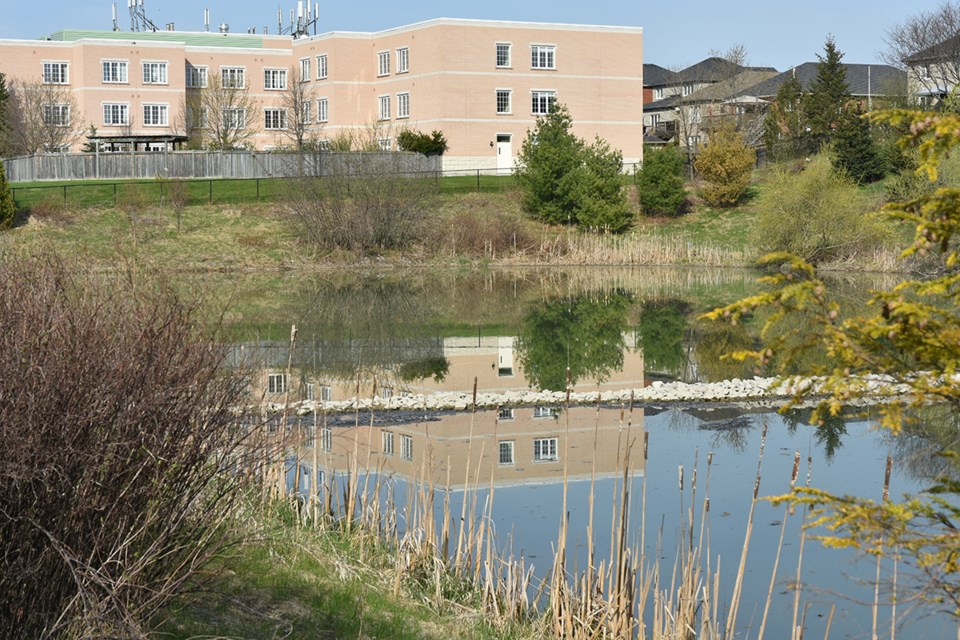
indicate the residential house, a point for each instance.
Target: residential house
{"x":934,"y":72}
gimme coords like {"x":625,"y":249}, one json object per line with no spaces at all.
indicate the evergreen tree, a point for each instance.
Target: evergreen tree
{"x":785,"y":126}
{"x":8,"y":208}
{"x":660,"y":183}
{"x":856,"y":152}
{"x":828,"y":93}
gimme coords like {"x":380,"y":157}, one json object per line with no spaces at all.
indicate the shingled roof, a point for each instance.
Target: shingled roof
{"x":656,"y":76}
{"x":862,"y":79}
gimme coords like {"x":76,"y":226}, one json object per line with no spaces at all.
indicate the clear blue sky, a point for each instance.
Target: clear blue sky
{"x":677,"y":33}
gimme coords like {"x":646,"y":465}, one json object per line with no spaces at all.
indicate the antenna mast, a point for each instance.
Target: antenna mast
{"x":138,"y":17}
{"x":301,"y":20}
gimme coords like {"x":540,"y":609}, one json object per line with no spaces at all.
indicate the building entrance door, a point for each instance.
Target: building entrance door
{"x":504,"y":153}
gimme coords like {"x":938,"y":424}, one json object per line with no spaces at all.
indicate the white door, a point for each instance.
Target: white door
{"x":504,"y":153}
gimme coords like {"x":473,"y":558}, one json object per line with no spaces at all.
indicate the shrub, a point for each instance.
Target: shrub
{"x":8,"y":208}
{"x":660,"y":182}
{"x":485,"y":234}
{"x":433,"y":144}
{"x":726,"y":165}
{"x":116,"y":420}
{"x":817,"y":214}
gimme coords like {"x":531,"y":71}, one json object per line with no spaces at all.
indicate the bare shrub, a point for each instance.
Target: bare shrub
{"x":116,"y":425}
{"x":52,"y":210}
{"x":486,"y":233}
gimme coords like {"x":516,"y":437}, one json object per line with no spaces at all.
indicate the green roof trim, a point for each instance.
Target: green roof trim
{"x":190,"y":39}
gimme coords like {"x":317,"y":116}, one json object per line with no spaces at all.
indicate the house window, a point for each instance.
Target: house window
{"x":695,"y":116}
{"x":326,"y":439}
{"x":384,"y":111}
{"x":403,"y":105}
{"x":323,"y":110}
{"x":234,"y":118}
{"x":503,"y":54}
{"x":543,"y":56}
{"x":387,"y":442}
{"x":406,"y":447}
{"x":275,"y":79}
{"x":326,"y":393}
{"x":403,"y":60}
{"x":233,"y":77}
{"x":155,"y":115}
{"x":305,"y":70}
{"x":506,"y":452}
{"x":116,"y":114}
{"x":544,"y":412}
{"x":196,"y":77}
{"x":56,"y":73}
{"x":309,"y":432}
{"x":658,"y":93}
{"x":154,"y":73}
{"x":114,"y":71}
{"x":311,"y":392}
{"x":56,"y":115}
{"x":545,"y":450}
{"x":322,"y":67}
{"x":688,"y":88}
{"x":693,"y":141}
{"x":503,"y":101}
{"x":505,"y":413}
{"x":383,"y":63}
{"x":386,"y":144}
{"x":543,"y":102}
{"x":275,"y":119}
{"x":276,"y":383}
{"x":655,"y":119}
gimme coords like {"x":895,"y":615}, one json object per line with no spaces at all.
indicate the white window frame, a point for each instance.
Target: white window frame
{"x":403,"y":60}
{"x":383,"y":63}
{"x":230,"y":75}
{"x":159,"y":115}
{"x":505,"y":413}
{"x":322,"y":67}
{"x":406,"y":447}
{"x":658,"y":93}
{"x":383,"y":110}
{"x":191,"y":115}
{"x":275,"y":119}
{"x":274,"y":79}
{"x":385,"y":393}
{"x":546,"y":449}
{"x":56,"y":72}
{"x":386,"y":443}
{"x":403,"y":105}
{"x":197,"y":76}
{"x":541,"y":100}
{"x":56,"y":115}
{"x":155,"y":72}
{"x":237,"y":115}
{"x":311,"y":392}
{"x":120,"y":109}
{"x":323,"y":110}
{"x":115,"y":71}
{"x":543,"y":411}
{"x":305,"y":70}
{"x":543,"y":56}
{"x":509,"y":95}
{"x":385,"y":144}
{"x":326,"y":439}
{"x":276,"y":383}
{"x":508,"y":48}
{"x":506,"y":453}
{"x":326,"y":393}
{"x":305,"y":108}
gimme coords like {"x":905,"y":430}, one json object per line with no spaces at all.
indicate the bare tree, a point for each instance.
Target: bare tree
{"x":298,"y":101}
{"x":927,"y":46}
{"x":41,"y":117}
{"x":219,"y":116}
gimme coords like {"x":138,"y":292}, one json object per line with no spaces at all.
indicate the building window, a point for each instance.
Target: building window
{"x":406,"y":447}
{"x":311,"y":392}
{"x":275,"y":79}
{"x":309,"y":432}
{"x":403,"y":60}
{"x":234,"y":118}
{"x":323,"y":110}
{"x":56,"y":115}
{"x":115,"y":71}
{"x":695,"y":116}
{"x":387,"y":440}
{"x":543,"y":102}
{"x":323,"y":144}
{"x":383,"y":63}
{"x":305,"y":112}
{"x":275,"y":119}
{"x":658,"y":93}
{"x":116,"y":114}
{"x":688,"y":88}
{"x":196,"y":118}
{"x":326,"y":439}
{"x":384,"y":111}
{"x":385,"y":393}
{"x":545,"y":450}
{"x":543,"y":56}
{"x":544,"y":412}
{"x":154,"y":73}
{"x":322,"y":67}
{"x":233,"y":77}
{"x":196,"y":77}
{"x":386,"y":144}
{"x":503,"y":101}
{"x":326,"y":393}
{"x":276,"y":383}
{"x":155,"y":115}
{"x":503,"y":54}
{"x":655,"y":119}
{"x":56,"y":73}
{"x":505,"y":413}
{"x":305,"y":70}
{"x":403,"y":105}
{"x":506,"y":452}
{"x":693,"y":141}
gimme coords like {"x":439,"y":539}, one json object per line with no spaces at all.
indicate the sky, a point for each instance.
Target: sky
{"x":676,"y":34}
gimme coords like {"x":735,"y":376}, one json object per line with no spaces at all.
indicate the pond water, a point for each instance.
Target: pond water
{"x":416,"y":332}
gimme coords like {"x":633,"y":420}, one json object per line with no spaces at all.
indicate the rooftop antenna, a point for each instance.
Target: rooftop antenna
{"x":206,"y":19}
{"x":116,"y":27}
{"x":301,"y":20}
{"x":138,"y":17}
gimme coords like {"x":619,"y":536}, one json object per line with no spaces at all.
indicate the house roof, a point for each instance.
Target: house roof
{"x":655,"y":76}
{"x":947,"y":49}
{"x":722,"y":91}
{"x":862,"y":79}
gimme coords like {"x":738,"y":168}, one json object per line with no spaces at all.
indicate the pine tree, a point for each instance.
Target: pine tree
{"x":8,"y":208}
{"x":660,"y":183}
{"x":856,"y":152}
{"x":828,"y":93}
{"x":785,"y":125}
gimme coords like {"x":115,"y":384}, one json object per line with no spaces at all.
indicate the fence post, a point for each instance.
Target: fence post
{"x":478,"y":180}
{"x":64,"y":194}
{"x":114,"y":194}
{"x":210,"y":187}
{"x":258,"y":189}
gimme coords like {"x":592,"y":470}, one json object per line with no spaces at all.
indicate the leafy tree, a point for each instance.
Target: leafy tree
{"x":432,"y":144}
{"x":828,"y":93}
{"x":785,"y":126}
{"x":725,"y":165}
{"x":8,"y":208}
{"x":856,"y":152}
{"x":663,"y":324}
{"x":911,"y":338}
{"x":566,"y":181}
{"x":660,"y":182}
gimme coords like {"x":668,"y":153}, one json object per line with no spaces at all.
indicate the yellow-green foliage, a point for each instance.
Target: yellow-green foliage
{"x":912,"y":338}
{"x":817,"y":214}
{"x":725,"y":165}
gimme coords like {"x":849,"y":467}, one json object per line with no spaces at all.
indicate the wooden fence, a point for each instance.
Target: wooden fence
{"x":213,"y":164}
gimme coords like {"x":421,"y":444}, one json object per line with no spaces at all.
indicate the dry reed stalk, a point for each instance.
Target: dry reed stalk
{"x":796,"y":633}
{"x":826,"y":633}
{"x":776,"y":562}
{"x":876,"y":581}
{"x":286,"y":405}
{"x":458,"y":568}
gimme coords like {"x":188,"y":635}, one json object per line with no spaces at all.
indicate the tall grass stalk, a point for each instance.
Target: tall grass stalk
{"x":776,"y":563}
